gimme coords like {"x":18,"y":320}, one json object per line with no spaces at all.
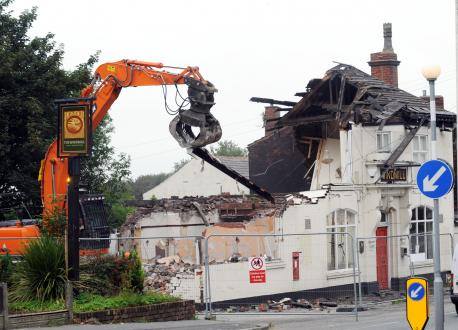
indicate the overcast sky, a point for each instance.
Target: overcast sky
{"x":246,"y":48}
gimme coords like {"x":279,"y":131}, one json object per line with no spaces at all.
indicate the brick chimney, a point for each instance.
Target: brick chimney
{"x":439,"y":100}
{"x":271,"y":115}
{"x":384,"y":64}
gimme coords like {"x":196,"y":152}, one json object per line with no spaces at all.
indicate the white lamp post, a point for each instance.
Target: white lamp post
{"x":431,"y":73}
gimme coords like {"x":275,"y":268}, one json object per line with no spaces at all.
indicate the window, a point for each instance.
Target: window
{"x":420,"y":148}
{"x":421,"y":227}
{"x":383,"y":141}
{"x":339,"y":245}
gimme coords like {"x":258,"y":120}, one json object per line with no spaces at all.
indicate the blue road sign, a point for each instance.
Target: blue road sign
{"x":435,"y":178}
{"x":416,"y":291}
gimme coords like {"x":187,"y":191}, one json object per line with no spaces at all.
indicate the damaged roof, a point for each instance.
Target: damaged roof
{"x":346,"y":94}
{"x":238,"y":164}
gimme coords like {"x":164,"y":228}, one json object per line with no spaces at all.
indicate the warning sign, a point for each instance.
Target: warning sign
{"x":257,"y":270}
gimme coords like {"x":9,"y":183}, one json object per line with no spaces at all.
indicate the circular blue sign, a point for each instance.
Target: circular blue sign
{"x":435,"y":178}
{"x":416,"y":291}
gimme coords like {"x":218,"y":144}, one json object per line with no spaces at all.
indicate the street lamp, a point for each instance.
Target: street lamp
{"x":431,"y":73}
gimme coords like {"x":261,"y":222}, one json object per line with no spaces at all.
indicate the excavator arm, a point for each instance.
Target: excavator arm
{"x":109,"y":80}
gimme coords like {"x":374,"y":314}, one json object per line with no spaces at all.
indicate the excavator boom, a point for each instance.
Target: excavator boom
{"x":109,"y":80}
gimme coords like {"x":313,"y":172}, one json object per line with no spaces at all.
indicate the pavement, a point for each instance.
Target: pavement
{"x":381,"y":317}
{"x":171,"y":325}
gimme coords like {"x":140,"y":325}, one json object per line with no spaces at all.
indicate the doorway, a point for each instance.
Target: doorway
{"x":381,"y":248}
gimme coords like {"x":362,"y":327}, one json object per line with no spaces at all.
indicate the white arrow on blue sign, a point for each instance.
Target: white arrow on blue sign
{"x":416,"y":291}
{"x":435,"y":178}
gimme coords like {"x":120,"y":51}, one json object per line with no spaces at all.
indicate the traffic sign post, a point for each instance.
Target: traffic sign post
{"x":435,"y":179}
{"x":417,"y":305}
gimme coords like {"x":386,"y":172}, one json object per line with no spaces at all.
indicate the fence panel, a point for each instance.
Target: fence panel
{"x":385,"y":263}
{"x":302,"y":274}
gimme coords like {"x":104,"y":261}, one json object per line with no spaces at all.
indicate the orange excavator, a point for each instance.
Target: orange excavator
{"x":108,"y":81}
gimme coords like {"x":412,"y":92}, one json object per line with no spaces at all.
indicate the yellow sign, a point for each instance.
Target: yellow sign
{"x":417,"y":306}
{"x":74,"y":129}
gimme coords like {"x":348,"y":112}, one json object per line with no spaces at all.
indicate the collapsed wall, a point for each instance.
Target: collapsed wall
{"x":167,"y":235}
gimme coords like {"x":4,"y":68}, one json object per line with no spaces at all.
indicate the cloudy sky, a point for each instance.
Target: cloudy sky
{"x":251,"y":48}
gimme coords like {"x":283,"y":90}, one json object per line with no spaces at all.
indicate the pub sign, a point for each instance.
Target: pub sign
{"x":394,"y":174}
{"x":74,"y":129}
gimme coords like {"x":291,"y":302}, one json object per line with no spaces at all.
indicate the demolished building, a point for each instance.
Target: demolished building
{"x":341,"y":163}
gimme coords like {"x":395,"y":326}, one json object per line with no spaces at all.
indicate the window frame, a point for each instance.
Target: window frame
{"x":332,"y":246}
{"x":423,"y":152}
{"x":424,"y":235}
{"x":380,"y":138}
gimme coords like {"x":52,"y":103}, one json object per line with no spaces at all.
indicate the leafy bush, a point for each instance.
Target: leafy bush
{"x":6,"y":268}
{"x":86,"y":302}
{"x":41,"y":274}
{"x":110,"y":275}
{"x":54,"y":223}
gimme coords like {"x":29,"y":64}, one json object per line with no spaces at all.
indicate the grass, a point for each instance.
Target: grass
{"x":86,"y":302}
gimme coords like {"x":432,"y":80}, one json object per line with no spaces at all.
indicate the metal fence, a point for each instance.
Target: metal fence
{"x":293,"y":275}
{"x":327,"y":273}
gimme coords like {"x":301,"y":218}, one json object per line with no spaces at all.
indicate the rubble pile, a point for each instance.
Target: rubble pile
{"x":285,"y":304}
{"x":165,"y":274}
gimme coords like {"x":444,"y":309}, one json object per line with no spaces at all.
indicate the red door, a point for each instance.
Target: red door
{"x":382,"y":258}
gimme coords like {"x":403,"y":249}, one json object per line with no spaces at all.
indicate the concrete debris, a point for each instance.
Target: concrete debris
{"x":165,"y":275}
{"x":168,"y":260}
{"x":286,"y":304}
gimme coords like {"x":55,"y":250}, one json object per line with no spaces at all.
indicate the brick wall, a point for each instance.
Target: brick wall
{"x":173,"y":311}
{"x":271,"y":115}
{"x":44,"y":319}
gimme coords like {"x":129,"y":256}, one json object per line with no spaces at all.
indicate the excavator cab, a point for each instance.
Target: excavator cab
{"x":198,"y":116}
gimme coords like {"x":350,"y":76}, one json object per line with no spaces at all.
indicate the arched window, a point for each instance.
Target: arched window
{"x":339,"y":245}
{"x":421,"y":227}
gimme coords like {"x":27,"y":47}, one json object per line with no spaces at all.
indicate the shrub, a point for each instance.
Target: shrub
{"x":110,"y":275}
{"x":6,"y":268}
{"x":41,"y":274}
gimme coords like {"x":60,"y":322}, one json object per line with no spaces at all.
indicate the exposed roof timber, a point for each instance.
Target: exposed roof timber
{"x":349,"y":94}
{"x":389,"y":111}
{"x":272,"y":101}
{"x":403,"y":145}
{"x":307,"y":120}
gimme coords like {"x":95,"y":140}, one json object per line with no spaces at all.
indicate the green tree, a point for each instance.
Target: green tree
{"x":178,"y":165}
{"x":228,"y":148}
{"x":31,"y":77}
{"x":146,"y":182}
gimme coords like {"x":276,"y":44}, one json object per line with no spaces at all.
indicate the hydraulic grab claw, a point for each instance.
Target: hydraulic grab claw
{"x":201,"y":99}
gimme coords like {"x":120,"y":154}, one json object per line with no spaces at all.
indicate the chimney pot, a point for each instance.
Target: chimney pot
{"x":387,"y":34}
{"x":384,"y":64}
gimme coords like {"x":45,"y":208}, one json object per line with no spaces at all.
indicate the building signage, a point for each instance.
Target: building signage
{"x":394,"y":174}
{"x":417,"y":309}
{"x":257,"y":270}
{"x":74,"y":129}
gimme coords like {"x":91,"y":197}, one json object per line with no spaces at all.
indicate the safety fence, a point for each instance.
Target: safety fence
{"x":312,"y":274}
{"x":328,"y":273}
{"x":386,"y":262}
